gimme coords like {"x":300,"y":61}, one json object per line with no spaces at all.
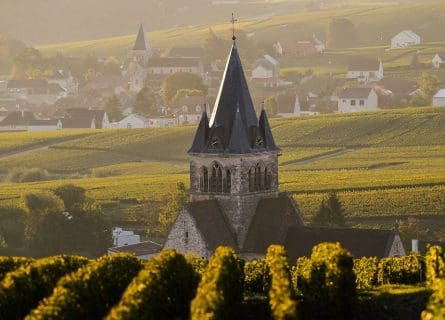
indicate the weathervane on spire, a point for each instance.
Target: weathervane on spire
{"x":233,"y":26}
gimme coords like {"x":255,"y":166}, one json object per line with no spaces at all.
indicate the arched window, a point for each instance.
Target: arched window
{"x":252,"y":179}
{"x":258,"y":177}
{"x":204,"y":180}
{"x":268,"y":178}
{"x":228,"y":181}
{"x":216,"y":180}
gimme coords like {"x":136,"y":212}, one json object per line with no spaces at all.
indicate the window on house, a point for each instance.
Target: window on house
{"x":204,"y":180}
{"x":216,"y":180}
{"x":186,"y":238}
{"x":353,"y":102}
{"x":362,"y":102}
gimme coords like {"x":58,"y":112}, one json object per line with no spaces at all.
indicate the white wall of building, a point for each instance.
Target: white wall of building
{"x":358,"y":104}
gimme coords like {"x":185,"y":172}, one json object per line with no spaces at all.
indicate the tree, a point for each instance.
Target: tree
{"x":172,"y":204}
{"x":341,"y":33}
{"x":330,"y":214}
{"x":112,"y":65}
{"x":145,"y":103}
{"x":182,"y":82}
{"x":428,"y":85}
{"x":212,"y":47}
{"x":113,"y":108}
{"x":271,"y":107}
{"x":72,"y":196}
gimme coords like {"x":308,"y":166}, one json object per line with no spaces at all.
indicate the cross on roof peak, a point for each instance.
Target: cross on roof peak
{"x":233,"y":20}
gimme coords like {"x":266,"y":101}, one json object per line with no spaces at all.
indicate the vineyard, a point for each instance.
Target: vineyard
{"x":385,"y":163}
{"x":330,"y":284}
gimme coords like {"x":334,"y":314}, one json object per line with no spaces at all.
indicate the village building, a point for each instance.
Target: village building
{"x":439,"y":98}
{"x":167,"y":66}
{"x":36,"y":91}
{"x":143,"y":250}
{"x":288,"y":105}
{"x":132,"y":121}
{"x":299,"y":48}
{"x":365,"y":70}
{"x":404,"y":39}
{"x":185,"y":52}
{"x":357,"y":99}
{"x":234,"y":196}
{"x":162,"y":121}
{"x":82,"y":118}
{"x":17,"y":121}
{"x":45,"y":125}
{"x":438,"y":61}
{"x":64,"y":79}
{"x":266,"y":70}
{"x":139,"y":59}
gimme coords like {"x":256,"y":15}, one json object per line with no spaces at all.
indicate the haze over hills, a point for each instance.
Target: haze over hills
{"x":56,"y":21}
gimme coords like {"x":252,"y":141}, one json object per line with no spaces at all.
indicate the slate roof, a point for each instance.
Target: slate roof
{"x":141,"y":42}
{"x":360,"y":242}
{"x":18,"y":118}
{"x":212,"y":224}
{"x":354,"y":93}
{"x":138,"y":249}
{"x":174,"y":62}
{"x":286,"y":102}
{"x":270,"y":223}
{"x":423,"y":244}
{"x":233,"y":101}
{"x":398,"y":86}
{"x":77,"y":123}
{"x":364,"y":65}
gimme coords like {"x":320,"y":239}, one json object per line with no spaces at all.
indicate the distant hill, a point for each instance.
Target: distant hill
{"x":374,"y":25}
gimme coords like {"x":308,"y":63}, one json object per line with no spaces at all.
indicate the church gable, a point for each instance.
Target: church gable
{"x":186,"y":237}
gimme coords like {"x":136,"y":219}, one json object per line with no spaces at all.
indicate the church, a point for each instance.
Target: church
{"x":234,"y":194}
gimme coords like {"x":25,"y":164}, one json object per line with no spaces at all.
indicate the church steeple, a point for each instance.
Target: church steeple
{"x":234,"y":101}
{"x":141,"y":43}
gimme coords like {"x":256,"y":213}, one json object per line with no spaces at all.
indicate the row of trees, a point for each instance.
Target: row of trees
{"x":61,"y":221}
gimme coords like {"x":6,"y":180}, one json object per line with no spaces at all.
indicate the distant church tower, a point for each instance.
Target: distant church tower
{"x":233,"y":176}
{"x":140,"y":55}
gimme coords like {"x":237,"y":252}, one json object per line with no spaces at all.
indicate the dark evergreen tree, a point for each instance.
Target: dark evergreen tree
{"x":330,"y":214}
{"x":113,"y":108}
{"x":145,"y":103}
{"x":341,"y":33}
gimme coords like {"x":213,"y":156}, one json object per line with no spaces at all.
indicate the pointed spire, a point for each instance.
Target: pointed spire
{"x":239,"y":142}
{"x":233,"y":93}
{"x":266,"y":132}
{"x":141,"y":42}
{"x":200,"y":141}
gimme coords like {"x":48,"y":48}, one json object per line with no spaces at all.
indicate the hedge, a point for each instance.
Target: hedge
{"x":282,"y":305}
{"x":91,"y":291}
{"x":256,"y":277}
{"x":219,"y":293}
{"x":329,"y":288}
{"x":21,"y":290}
{"x":401,"y":270}
{"x":435,"y":310}
{"x":162,"y":290}
{"x":366,"y":271}
{"x":299,"y":272}
{"x":8,"y":264}
{"x":435,"y":263}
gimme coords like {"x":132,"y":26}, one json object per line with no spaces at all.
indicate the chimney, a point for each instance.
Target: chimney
{"x":415,"y":245}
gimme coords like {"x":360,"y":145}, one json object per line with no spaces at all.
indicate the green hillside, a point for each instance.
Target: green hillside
{"x":375,"y":26}
{"x":383,"y":164}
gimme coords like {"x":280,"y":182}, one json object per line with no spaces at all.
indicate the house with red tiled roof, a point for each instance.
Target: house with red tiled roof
{"x":365,"y":70}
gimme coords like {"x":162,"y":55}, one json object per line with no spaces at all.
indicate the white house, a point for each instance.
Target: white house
{"x":439,"y":98}
{"x":357,"y":99}
{"x":162,"y":122}
{"x":124,"y":237}
{"x":132,"y":121}
{"x":166,"y":66}
{"x":266,"y":70}
{"x":404,"y":39}
{"x":365,"y":70}
{"x":438,"y":60}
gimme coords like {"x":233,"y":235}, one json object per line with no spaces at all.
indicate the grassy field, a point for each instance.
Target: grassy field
{"x":425,"y":18}
{"x":382,"y":164}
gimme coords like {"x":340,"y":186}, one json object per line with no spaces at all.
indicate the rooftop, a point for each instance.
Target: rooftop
{"x":354,"y":93}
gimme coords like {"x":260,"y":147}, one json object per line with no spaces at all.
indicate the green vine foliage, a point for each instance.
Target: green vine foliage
{"x":220,"y":291}
{"x":8,"y":264}
{"x":366,"y":271}
{"x":281,"y":301}
{"x":401,"y":270}
{"x":91,"y":291}
{"x":162,"y":290}
{"x":435,"y":263}
{"x":256,"y":277}
{"x":22,"y":289}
